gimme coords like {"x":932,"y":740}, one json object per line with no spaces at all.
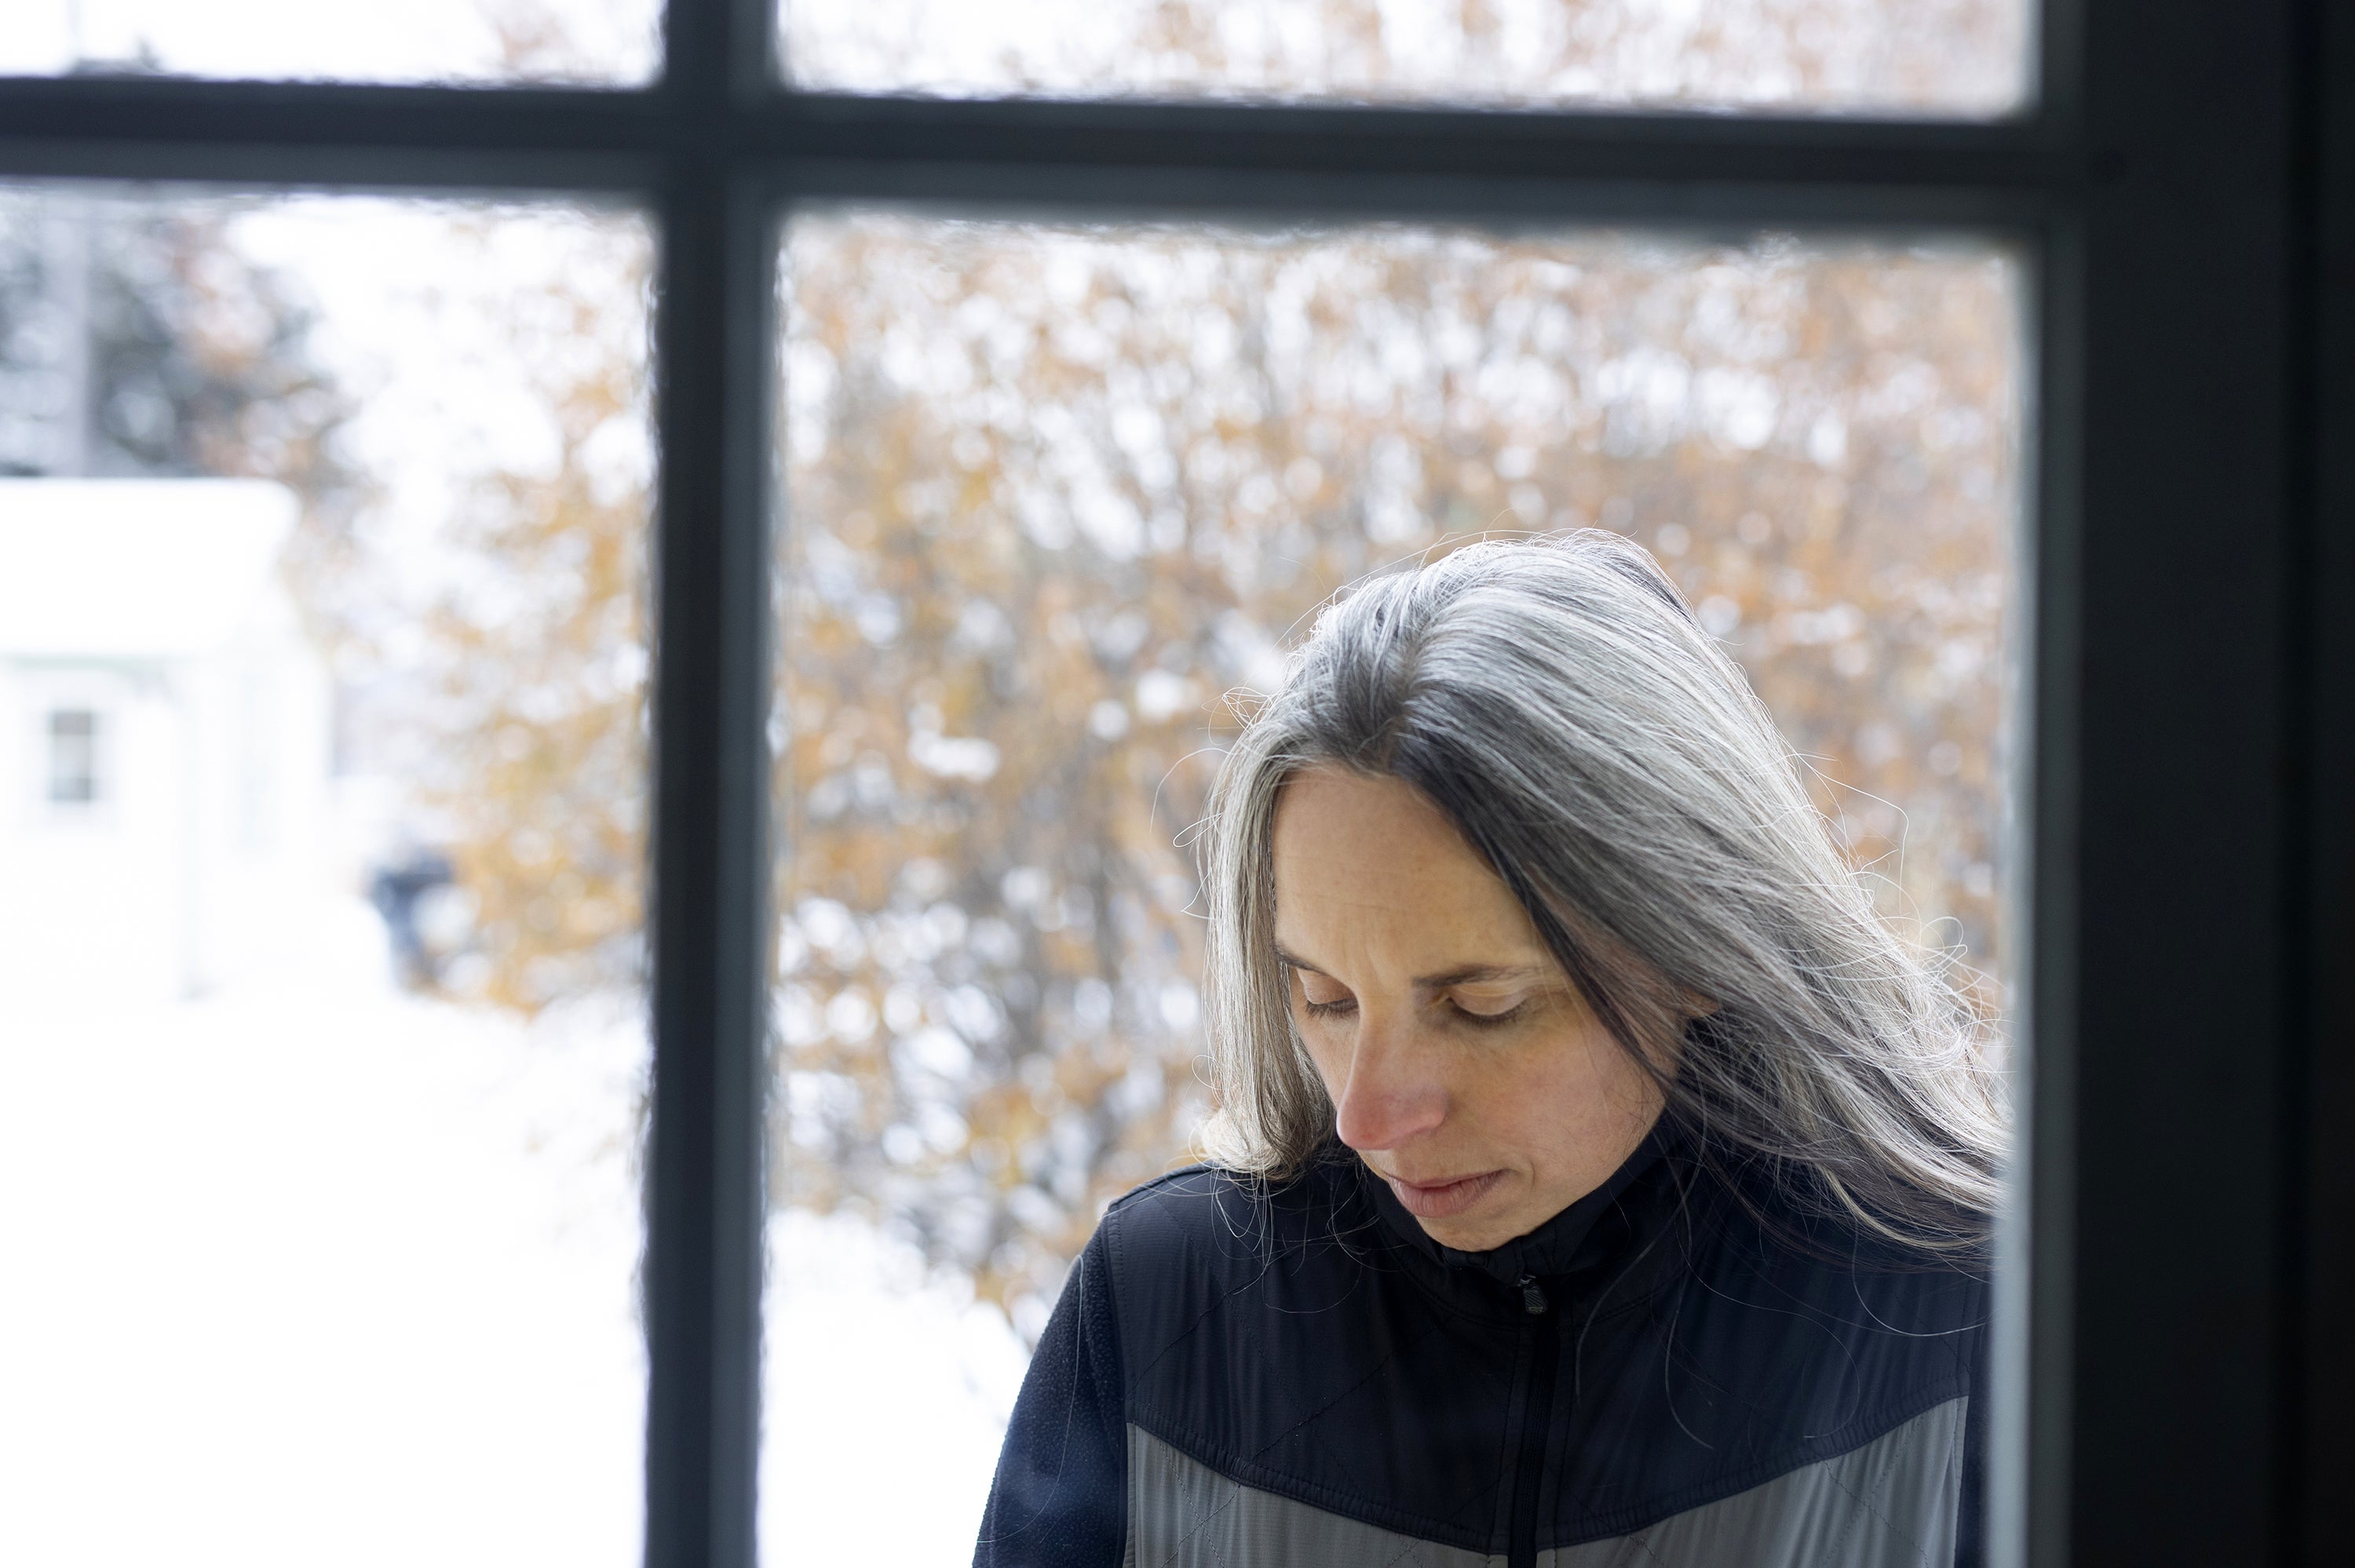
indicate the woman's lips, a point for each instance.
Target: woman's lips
{"x":1442,"y":1200}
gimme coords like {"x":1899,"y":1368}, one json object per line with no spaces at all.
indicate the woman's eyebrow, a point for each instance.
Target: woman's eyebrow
{"x":1468,"y":974}
{"x":1480,"y":974}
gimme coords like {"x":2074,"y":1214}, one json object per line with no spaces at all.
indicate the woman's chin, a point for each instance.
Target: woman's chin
{"x":1467,"y":1235}
{"x":1474,"y":1217}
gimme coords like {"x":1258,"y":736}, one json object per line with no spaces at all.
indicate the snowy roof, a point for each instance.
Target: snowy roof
{"x":135,"y":567}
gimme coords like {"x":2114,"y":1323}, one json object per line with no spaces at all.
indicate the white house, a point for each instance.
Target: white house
{"x":164,"y":735}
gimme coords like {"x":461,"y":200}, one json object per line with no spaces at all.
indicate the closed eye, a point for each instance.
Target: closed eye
{"x":1330,"y":1009}
{"x":1488,"y":1020}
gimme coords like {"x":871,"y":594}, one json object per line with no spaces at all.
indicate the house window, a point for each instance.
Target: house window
{"x":75,"y":778}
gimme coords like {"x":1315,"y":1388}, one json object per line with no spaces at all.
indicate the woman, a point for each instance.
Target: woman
{"x":1595,"y":1179}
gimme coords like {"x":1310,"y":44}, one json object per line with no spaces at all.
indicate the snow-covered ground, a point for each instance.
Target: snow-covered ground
{"x":309,"y":1271}
{"x":886,"y":1398}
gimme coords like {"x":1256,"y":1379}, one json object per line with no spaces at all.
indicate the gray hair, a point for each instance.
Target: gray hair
{"x":1557,"y":701}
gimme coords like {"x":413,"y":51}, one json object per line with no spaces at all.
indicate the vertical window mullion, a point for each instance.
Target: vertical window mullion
{"x":713,"y":350}
{"x":2030,"y":1479}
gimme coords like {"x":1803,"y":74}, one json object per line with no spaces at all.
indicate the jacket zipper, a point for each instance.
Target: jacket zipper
{"x":1537,"y":1421}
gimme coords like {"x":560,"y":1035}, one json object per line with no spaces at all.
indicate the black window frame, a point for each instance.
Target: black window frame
{"x":2183,"y":192}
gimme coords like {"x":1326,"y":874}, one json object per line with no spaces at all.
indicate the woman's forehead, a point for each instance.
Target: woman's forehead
{"x":1368,"y":866}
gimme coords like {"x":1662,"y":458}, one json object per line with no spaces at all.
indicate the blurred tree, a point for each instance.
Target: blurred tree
{"x":1052,"y":493}
{"x":532,"y":747}
{"x":1964,"y":57}
{"x":537,"y":648}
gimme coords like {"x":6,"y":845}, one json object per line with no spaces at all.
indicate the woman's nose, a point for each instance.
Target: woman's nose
{"x":1389,"y":1097}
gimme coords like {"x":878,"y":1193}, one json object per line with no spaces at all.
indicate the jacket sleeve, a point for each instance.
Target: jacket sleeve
{"x":1060,"y":1498}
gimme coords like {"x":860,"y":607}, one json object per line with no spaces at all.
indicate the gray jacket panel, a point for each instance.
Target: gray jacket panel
{"x":1184,"y":1514}
{"x":1889,"y":1504}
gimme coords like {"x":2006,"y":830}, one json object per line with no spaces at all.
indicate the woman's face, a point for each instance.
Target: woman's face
{"x":1465,"y":1069}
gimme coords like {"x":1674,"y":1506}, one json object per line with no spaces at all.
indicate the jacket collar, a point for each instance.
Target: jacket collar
{"x":1591,"y":1232}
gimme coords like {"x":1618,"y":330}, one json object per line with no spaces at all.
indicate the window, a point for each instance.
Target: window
{"x":2159,"y":197}
{"x":1060,"y":491}
{"x":390,"y":458}
{"x":74,"y":777}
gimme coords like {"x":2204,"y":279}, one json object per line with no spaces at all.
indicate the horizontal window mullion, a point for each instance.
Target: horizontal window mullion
{"x":152,"y":128}
{"x":1446,"y":143}
{"x":523,"y":172}
{"x":138,"y":109}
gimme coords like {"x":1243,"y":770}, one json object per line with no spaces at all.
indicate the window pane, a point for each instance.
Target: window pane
{"x":322,"y":774}
{"x":591,"y":41}
{"x":1055,"y":492}
{"x":1966,"y":58}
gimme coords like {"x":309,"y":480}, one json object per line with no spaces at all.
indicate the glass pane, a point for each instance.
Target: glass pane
{"x":1961,"y":57}
{"x":613,"y":42}
{"x":321,"y":777}
{"x":1055,"y":492}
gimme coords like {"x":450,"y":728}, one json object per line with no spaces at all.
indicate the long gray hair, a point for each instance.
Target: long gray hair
{"x":1556,"y":700}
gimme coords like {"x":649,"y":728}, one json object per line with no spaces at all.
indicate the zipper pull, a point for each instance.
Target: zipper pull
{"x":1533,"y":1297}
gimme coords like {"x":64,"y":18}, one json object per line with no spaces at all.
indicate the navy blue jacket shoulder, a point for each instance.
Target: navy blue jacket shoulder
{"x":1241,"y":1373}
